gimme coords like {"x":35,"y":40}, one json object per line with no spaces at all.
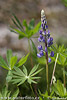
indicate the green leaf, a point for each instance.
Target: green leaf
{"x":19,"y":72}
{"x":20,"y":32}
{"x":22,"y":60}
{"x":21,"y":36}
{"x":9,"y":55}
{"x":35,"y":77}
{"x":37,"y":72}
{"x":4,"y":91}
{"x":3,"y":63}
{"x":17,"y":20}
{"x":23,"y":80}
{"x":16,"y":23}
{"x":13,"y":61}
{"x":60,"y":88}
{"x":34,"y":69}
{"x":35,"y":30}
{"x":25,"y":24}
{"x":19,"y":76}
{"x":62,"y":59}
{"x":34,"y":48}
{"x":9,"y":76}
{"x":31,"y":81}
{"x":24,"y":70}
{"x":15,"y":94}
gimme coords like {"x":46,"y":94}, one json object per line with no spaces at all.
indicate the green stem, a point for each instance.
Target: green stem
{"x":47,"y":73}
{"x":32,"y":90}
{"x":64,"y":76}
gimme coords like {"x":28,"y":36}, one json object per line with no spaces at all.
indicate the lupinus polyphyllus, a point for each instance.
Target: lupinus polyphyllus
{"x":45,"y":37}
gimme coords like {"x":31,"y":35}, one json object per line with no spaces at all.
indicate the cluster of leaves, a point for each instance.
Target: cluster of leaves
{"x":24,"y":30}
{"x":62,"y":54}
{"x":12,"y":61}
{"x":58,"y":92}
{"x":5,"y":94}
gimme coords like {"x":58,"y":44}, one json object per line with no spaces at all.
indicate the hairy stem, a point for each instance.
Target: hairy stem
{"x":54,"y":69}
{"x":47,"y":73}
{"x":64,"y":76}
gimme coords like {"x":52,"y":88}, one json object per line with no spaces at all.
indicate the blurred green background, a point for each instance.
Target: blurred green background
{"x":56,"y":13}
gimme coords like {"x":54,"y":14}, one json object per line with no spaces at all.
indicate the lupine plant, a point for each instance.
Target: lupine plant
{"x":19,"y":73}
{"x":47,"y":40}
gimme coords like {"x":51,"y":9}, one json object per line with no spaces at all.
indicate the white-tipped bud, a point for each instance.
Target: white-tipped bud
{"x":42,"y":15}
{"x":42,"y":12}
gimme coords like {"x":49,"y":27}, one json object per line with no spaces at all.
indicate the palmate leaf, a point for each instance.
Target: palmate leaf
{"x":19,"y":76}
{"x":62,"y":58}
{"x":59,"y":89}
{"x":12,"y":61}
{"x":29,"y":29}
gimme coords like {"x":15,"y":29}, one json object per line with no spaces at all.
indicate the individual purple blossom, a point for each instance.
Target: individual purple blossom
{"x":49,"y":60}
{"x":41,"y":36}
{"x":41,"y":53}
{"x":38,"y":55}
{"x":51,"y":38}
{"x":40,"y":47}
{"x":40,"y":31}
{"x":43,"y":39}
{"x":39,"y":40}
{"x":52,"y":54}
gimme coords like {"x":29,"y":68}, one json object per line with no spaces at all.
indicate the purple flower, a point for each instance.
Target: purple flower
{"x":40,"y":31}
{"x":49,"y":60}
{"x":40,"y":47}
{"x":41,"y":36}
{"x":51,"y":38}
{"x":44,"y":32}
{"x":38,"y":55}
{"x":48,"y":31}
{"x":48,"y":41}
{"x":52,"y":54}
{"x":39,"y":40}
{"x":41,"y":53}
{"x":43,"y":39}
